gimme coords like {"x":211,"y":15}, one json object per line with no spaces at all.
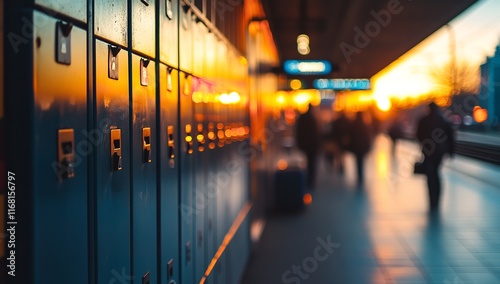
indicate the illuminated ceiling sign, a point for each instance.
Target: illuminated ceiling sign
{"x":342,"y":84}
{"x":307,"y":67}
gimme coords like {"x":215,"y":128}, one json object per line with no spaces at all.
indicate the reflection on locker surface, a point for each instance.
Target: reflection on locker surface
{"x":133,"y":111}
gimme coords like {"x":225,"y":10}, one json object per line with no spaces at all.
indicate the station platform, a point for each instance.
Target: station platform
{"x":382,"y":232}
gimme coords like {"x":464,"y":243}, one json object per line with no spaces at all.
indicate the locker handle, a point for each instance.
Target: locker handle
{"x":169,"y":79}
{"x":170,"y":141}
{"x":200,"y":138}
{"x":189,"y":140}
{"x":146,"y":144}
{"x":66,"y":153}
{"x":63,"y":42}
{"x":116,"y":150}
{"x":144,"y":72}
{"x":113,"y":61}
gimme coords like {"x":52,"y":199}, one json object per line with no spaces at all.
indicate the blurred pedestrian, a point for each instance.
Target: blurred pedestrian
{"x":395,"y":131}
{"x":436,"y":138}
{"x":360,"y":142}
{"x":337,"y":139}
{"x":308,"y":141}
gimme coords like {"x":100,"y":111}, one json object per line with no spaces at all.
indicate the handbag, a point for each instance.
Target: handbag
{"x":420,"y":167}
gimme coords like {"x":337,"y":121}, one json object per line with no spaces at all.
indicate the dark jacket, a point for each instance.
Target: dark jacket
{"x":307,"y":133}
{"x":435,"y":134}
{"x":360,"y":140}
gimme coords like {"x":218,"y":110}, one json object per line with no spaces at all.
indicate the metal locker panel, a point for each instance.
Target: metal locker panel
{"x":200,"y":184}
{"x":168,"y":25}
{"x":222,"y":67}
{"x":199,"y":50}
{"x":143,"y":136}
{"x":211,"y":56}
{"x":169,"y":179}
{"x":187,"y":209}
{"x":74,"y":9}
{"x":112,"y":184}
{"x":186,"y":47}
{"x":143,"y":27}
{"x":60,"y":204}
{"x":211,"y":183}
{"x":110,"y":21}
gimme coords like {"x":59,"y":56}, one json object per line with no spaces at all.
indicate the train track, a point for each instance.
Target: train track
{"x":484,"y":152}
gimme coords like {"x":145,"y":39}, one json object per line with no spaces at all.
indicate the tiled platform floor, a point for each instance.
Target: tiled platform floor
{"x":382,"y":233}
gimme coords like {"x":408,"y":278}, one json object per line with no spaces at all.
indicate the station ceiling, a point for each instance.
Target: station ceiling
{"x":359,"y":37}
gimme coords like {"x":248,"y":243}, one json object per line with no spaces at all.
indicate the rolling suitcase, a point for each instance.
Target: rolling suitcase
{"x":290,"y":187}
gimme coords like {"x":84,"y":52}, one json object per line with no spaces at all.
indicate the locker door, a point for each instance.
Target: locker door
{"x":168,"y":29}
{"x":113,"y":163}
{"x":168,"y":178}
{"x":187,"y":210}
{"x":110,"y":21}
{"x":186,"y":35}
{"x":200,"y":200}
{"x":61,"y":150}
{"x":143,"y":27}
{"x":74,"y":9}
{"x":143,"y":145}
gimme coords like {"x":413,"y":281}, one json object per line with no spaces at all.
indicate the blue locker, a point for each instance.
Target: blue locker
{"x":168,"y":179}
{"x":113,"y":163}
{"x":200,"y":198}
{"x":144,"y":27}
{"x":143,"y":146}
{"x":186,"y":205}
{"x":61,"y":151}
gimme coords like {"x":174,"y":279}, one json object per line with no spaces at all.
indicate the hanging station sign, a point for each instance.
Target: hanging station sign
{"x":342,"y":84}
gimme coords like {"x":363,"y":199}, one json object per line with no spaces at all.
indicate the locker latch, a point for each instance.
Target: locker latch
{"x":116,"y":149}
{"x":200,"y":138}
{"x":211,"y":136}
{"x":144,"y":72}
{"x":113,"y":62}
{"x":66,"y":153}
{"x":169,"y":79}
{"x":189,"y":139}
{"x":63,"y":42}
{"x":221,"y":136}
{"x":171,"y":145}
{"x":146,"y":145}
{"x":187,"y":87}
{"x":146,"y":2}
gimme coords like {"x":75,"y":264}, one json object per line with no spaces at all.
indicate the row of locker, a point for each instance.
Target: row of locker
{"x":135,"y":170}
{"x":153,"y":29}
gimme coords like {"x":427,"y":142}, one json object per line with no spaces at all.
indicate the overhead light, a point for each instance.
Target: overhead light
{"x":303,"y":44}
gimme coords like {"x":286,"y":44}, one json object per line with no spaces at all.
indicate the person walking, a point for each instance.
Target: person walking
{"x":308,"y":141}
{"x":337,"y":137}
{"x":436,"y":138}
{"x":360,"y":141}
